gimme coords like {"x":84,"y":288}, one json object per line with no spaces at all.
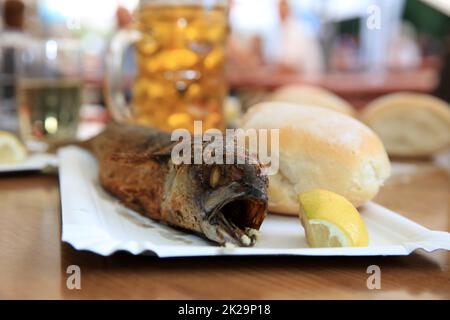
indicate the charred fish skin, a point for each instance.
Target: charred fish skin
{"x":222,"y":202}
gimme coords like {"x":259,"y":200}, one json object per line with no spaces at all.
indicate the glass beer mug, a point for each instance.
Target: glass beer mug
{"x":180,"y":56}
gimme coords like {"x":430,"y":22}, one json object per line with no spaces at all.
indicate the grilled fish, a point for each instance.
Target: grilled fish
{"x":224,"y":203}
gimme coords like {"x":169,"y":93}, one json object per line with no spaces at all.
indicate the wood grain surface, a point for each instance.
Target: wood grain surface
{"x":33,"y":261}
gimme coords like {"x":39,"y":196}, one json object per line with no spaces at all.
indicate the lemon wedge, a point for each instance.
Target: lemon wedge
{"x":11,"y":149}
{"x":330,"y":220}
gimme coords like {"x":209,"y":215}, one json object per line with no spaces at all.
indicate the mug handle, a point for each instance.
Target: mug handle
{"x":120,"y":110}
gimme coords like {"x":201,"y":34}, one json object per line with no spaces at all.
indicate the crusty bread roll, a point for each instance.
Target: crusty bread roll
{"x":312,"y":96}
{"x":320,"y":148}
{"x":410,"y":124}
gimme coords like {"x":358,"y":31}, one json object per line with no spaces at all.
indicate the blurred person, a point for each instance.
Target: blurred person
{"x":244,"y":52}
{"x":12,"y":40}
{"x":123,"y":20}
{"x":295,"y":49}
{"x":403,"y":50}
{"x":123,"y":17}
{"x":344,"y":54}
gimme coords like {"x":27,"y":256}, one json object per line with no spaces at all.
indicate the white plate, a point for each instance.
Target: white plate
{"x":93,"y":220}
{"x":34,"y":162}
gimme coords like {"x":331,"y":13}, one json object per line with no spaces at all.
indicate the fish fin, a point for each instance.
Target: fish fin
{"x":53,"y":147}
{"x":162,"y":154}
{"x":131,"y":158}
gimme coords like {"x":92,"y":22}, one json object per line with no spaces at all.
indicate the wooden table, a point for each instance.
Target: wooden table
{"x":33,"y":261}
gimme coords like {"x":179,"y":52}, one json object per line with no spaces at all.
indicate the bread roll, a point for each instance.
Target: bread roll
{"x":320,"y":148}
{"x":313,"y":96}
{"x":410,"y":124}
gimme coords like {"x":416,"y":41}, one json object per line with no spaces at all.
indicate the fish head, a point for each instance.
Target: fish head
{"x":227,"y":203}
{"x":234,"y":202}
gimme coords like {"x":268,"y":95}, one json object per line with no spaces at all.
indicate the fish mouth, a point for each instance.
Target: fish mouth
{"x":236,"y":221}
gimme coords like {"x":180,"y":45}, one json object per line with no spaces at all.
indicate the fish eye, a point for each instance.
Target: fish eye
{"x":214,"y":177}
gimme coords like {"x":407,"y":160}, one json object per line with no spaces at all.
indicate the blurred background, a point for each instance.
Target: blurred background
{"x":358,"y":49}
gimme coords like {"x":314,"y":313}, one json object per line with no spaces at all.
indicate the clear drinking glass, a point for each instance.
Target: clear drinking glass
{"x":49,"y":92}
{"x":180,"y":57}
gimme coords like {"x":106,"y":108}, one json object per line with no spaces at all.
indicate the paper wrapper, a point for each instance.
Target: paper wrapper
{"x":95,"y":221}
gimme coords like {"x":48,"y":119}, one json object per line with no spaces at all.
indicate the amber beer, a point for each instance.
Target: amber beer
{"x":180,"y":58}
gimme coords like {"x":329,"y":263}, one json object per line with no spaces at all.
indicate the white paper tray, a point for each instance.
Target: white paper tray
{"x":93,"y":220}
{"x":34,"y":162}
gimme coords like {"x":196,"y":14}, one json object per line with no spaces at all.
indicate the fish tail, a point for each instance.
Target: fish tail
{"x":55,"y":146}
